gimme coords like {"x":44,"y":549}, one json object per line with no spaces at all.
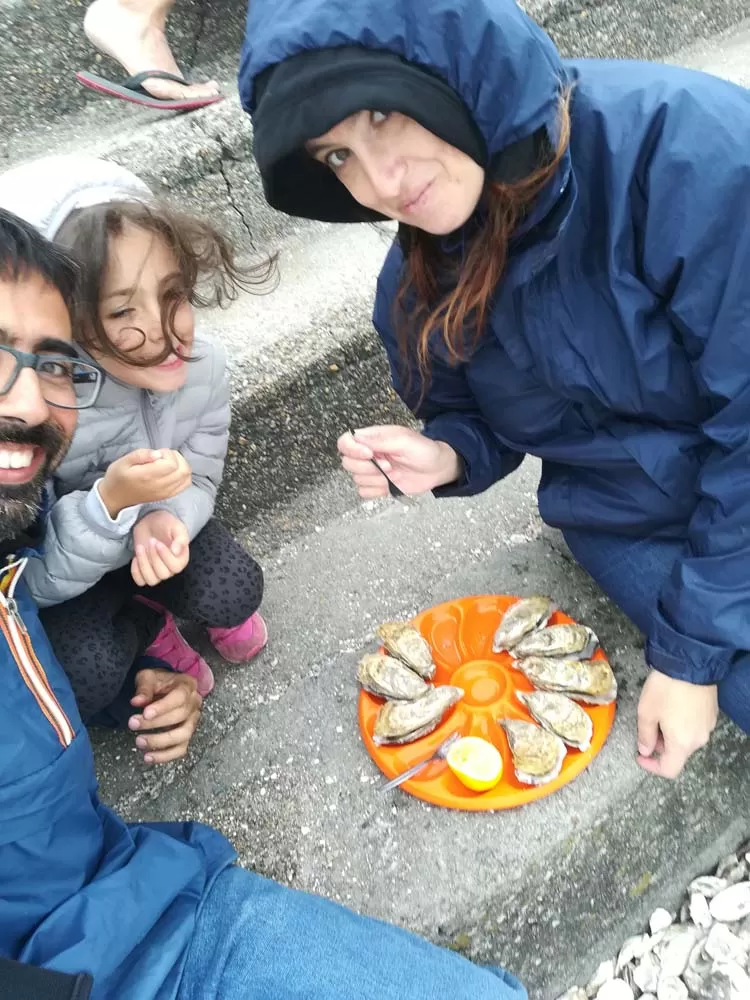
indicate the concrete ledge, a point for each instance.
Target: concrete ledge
{"x":42,"y":44}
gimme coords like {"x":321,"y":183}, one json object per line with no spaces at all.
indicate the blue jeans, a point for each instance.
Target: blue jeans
{"x":258,"y":940}
{"x":632,"y":572}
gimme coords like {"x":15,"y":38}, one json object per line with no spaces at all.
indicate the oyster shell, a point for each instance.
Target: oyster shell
{"x":699,"y":912}
{"x":659,"y":920}
{"x":676,"y":950}
{"x":615,"y":989}
{"x":731,"y":904}
{"x":406,"y":643}
{"x":723,"y":945}
{"x":671,"y":988}
{"x":524,"y":616}
{"x":537,"y":754}
{"x":559,"y":715}
{"x":388,"y":677}
{"x":590,"y":681}
{"x":604,"y":972}
{"x":708,"y":885}
{"x":577,"y":642}
{"x":404,"y":721}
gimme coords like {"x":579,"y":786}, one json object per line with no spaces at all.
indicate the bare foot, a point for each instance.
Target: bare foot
{"x":132,"y":33}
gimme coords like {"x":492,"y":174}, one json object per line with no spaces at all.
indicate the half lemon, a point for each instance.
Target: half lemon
{"x":476,"y":763}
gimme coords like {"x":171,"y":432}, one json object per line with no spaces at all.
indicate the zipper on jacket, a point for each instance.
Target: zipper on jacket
{"x":17,"y":636}
{"x":148,"y":403}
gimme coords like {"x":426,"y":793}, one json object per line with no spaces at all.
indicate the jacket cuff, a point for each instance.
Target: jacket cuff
{"x":685,"y":658}
{"x":482,"y":467}
{"x":98,"y":518}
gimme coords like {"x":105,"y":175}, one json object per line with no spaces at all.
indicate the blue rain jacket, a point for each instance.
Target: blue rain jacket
{"x":618,"y":348}
{"x":80,"y":890}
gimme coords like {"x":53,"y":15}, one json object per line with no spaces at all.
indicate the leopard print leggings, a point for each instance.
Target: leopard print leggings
{"x":98,"y":635}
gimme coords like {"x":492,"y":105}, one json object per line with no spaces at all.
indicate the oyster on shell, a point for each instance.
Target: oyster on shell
{"x":407,"y":644}
{"x":388,"y":677}
{"x":577,"y":642}
{"x":404,"y":721}
{"x":526,"y":615}
{"x":559,"y":715}
{"x":537,"y":754}
{"x":590,"y":681}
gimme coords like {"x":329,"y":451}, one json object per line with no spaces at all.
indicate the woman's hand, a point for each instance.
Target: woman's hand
{"x":415,"y":463}
{"x":675,"y":719}
{"x":170,"y":703}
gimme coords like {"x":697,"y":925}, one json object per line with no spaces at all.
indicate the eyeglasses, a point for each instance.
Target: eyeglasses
{"x":65,"y":381}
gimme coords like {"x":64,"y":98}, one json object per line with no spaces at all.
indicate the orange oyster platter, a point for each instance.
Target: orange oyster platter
{"x":460,"y":635}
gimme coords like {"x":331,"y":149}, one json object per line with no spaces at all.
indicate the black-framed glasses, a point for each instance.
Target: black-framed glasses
{"x":66,"y":381}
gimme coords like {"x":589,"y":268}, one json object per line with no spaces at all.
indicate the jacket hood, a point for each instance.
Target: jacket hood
{"x":501,"y":70}
{"x":44,"y":192}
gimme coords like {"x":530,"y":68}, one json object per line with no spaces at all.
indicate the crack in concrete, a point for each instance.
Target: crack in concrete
{"x":230,"y":196}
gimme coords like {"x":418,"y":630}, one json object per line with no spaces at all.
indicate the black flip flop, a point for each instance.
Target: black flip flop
{"x":132,"y":90}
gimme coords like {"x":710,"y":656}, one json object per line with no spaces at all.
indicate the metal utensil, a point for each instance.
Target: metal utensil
{"x":395,"y":492}
{"x":441,"y":752}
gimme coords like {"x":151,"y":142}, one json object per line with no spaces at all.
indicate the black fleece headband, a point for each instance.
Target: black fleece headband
{"x":309,"y":93}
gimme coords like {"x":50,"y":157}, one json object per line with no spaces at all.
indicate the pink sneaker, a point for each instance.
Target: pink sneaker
{"x":241,"y":643}
{"x":172,"y":647}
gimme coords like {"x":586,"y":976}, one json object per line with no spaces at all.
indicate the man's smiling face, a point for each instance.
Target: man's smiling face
{"x":34,"y":436}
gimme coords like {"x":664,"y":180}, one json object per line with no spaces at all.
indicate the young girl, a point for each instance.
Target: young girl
{"x":131,"y":539}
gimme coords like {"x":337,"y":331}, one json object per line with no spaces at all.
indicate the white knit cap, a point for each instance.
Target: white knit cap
{"x":44,"y":192}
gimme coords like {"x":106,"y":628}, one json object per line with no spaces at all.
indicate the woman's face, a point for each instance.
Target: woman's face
{"x":392,"y":165}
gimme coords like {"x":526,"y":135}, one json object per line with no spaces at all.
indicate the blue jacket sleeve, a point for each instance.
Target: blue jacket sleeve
{"x":695,"y":191}
{"x":447,"y":406}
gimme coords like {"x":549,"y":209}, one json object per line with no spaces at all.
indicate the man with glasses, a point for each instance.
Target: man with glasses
{"x":89,"y":905}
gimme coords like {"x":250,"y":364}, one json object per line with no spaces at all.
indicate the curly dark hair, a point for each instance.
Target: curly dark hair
{"x":209,"y":272}
{"x":23,"y":251}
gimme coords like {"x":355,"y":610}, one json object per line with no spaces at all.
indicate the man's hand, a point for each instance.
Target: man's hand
{"x":675,"y":719}
{"x":144,"y":476}
{"x":162,"y":548}
{"x":170,"y":702}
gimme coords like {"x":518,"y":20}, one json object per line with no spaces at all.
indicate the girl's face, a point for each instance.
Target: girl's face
{"x":392,"y":165}
{"x":143,"y":275}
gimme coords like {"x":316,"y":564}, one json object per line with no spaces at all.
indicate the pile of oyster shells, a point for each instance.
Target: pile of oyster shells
{"x":702,"y":954}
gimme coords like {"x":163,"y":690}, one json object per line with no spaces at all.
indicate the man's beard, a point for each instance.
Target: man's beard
{"x":21,"y":504}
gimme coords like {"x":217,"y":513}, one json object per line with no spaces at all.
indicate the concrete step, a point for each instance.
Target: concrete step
{"x":42,"y":45}
{"x":548,"y":890}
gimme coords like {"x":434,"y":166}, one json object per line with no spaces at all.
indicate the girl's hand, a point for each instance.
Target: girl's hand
{"x":675,"y":719}
{"x":415,"y":463}
{"x":144,"y":476}
{"x":162,"y":548}
{"x":170,"y":702}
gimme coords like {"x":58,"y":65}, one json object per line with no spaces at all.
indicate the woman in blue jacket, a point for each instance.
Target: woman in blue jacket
{"x":570,"y":280}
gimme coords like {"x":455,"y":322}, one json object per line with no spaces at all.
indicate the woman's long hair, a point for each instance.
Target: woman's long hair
{"x":423,"y":306}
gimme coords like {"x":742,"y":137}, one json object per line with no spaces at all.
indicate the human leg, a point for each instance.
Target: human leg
{"x":133,"y":32}
{"x":97,"y":637}
{"x":632,"y":573}
{"x":221,"y":588}
{"x":257,"y":940}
